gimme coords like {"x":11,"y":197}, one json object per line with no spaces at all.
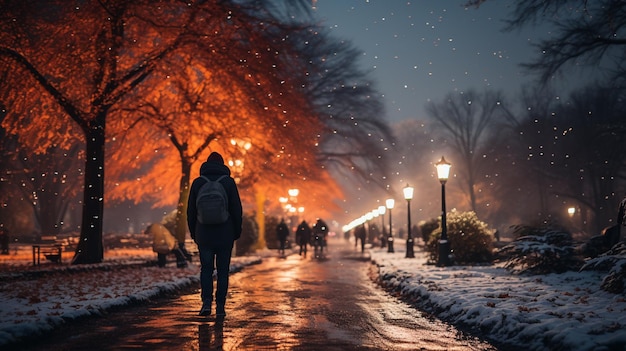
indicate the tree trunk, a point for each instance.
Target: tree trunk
{"x":181,"y":209}
{"x":471,"y":181}
{"x":90,"y":247}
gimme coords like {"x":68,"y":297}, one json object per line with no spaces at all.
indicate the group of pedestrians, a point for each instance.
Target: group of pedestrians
{"x":306,"y":235}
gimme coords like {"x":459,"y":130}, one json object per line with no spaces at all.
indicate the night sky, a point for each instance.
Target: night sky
{"x":421,"y":50}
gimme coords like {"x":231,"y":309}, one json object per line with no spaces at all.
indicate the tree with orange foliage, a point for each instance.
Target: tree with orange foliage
{"x":202,"y":111}
{"x":209,"y":99}
{"x":89,"y":60}
{"x":47,"y":180}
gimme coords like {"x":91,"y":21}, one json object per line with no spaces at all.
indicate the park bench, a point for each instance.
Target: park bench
{"x":48,"y":248}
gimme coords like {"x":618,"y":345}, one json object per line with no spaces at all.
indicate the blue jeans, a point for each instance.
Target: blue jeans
{"x":211,"y":258}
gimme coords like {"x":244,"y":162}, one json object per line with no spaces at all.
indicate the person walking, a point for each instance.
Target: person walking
{"x":282,"y":232}
{"x":164,"y":243}
{"x":215,"y":240}
{"x":304,"y":236}
{"x":360,"y":234}
{"x":320,"y":231}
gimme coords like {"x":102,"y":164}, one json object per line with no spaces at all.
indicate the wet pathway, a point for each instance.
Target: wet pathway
{"x":291,"y":303}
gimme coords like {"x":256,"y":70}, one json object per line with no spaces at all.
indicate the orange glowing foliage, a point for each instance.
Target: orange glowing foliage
{"x":171,"y":89}
{"x":106,"y":66}
{"x":202,"y":111}
{"x":37,"y":126}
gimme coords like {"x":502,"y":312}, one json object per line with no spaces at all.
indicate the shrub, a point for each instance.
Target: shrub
{"x":602,"y":243}
{"x":428,"y":227}
{"x":470,"y":239}
{"x":249,"y":235}
{"x":613,"y":262}
{"x":540,"y":250}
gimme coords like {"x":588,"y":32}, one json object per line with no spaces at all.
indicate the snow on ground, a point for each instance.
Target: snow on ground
{"x":33,"y":302}
{"x":565,"y":311}
{"x":550,"y":312}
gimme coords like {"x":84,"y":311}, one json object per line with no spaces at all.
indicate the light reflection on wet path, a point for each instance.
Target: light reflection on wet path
{"x":291,"y":303}
{"x":325,"y":304}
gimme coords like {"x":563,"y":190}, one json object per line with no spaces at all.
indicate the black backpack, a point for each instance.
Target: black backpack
{"x":212,"y":202}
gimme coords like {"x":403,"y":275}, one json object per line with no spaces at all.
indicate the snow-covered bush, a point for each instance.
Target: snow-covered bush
{"x":614,"y":262}
{"x":540,"y":250}
{"x":249,"y":235}
{"x":470,"y":239}
{"x":428,"y":227}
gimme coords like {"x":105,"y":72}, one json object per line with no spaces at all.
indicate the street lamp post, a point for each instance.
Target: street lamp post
{"x":381,"y":211}
{"x":390,"y":203}
{"x":443,"y":171}
{"x":408,"y":195}
{"x":293,"y":199}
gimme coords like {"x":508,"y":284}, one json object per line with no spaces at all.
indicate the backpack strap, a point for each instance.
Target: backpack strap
{"x":217,"y":180}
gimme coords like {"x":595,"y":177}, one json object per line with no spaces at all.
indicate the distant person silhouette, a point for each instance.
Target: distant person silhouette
{"x":320,"y":233}
{"x":304,"y":237}
{"x":360,"y":234}
{"x":282,"y":232}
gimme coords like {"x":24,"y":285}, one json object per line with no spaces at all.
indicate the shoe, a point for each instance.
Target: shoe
{"x":219,"y":311}
{"x":205,"y":310}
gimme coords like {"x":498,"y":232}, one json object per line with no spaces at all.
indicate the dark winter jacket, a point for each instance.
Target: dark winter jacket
{"x":304,"y":233}
{"x":215,"y":235}
{"x":360,"y":232}
{"x":282,"y":231}
{"x":320,"y":228}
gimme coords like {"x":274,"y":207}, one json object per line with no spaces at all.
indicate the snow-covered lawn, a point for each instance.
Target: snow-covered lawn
{"x":565,"y":311}
{"x":550,"y":312}
{"x":34,"y":302}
